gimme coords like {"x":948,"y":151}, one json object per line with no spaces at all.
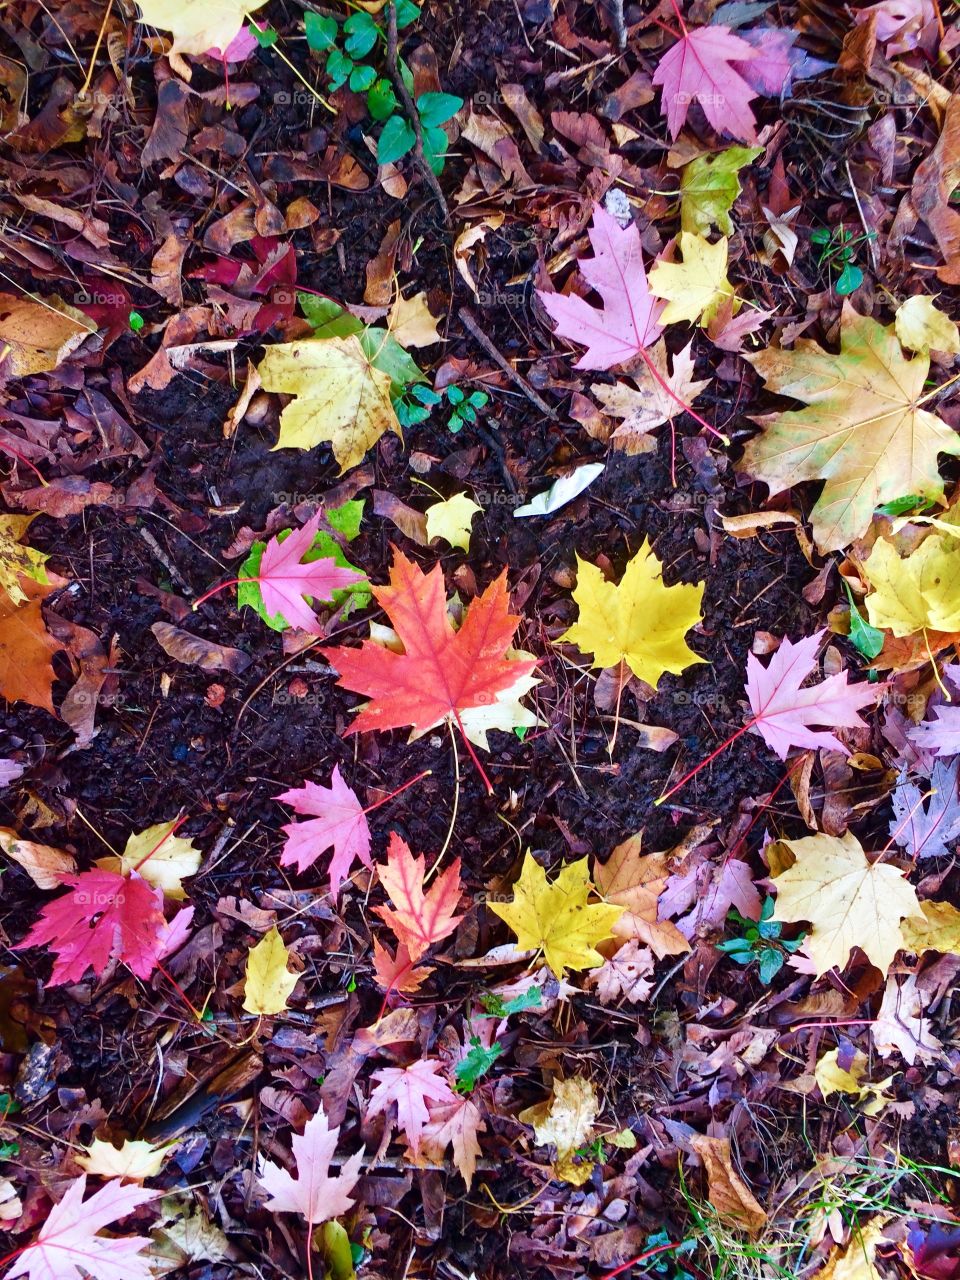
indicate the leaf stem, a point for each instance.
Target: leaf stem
{"x":472,"y":754}
{"x":425,"y":773}
{"x":665,"y":386}
{"x":456,"y":803}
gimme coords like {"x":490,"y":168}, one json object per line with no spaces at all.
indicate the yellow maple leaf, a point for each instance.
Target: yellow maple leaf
{"x":16,"y":559}
{"x":411,"y":322}
{"x":696,"y":287}
{"x":339,"y":396}
{"x":848,"y":901}
{"x":566,"y":1121}
{"x":133,"y":1159}
{"x":856,"y":1260}
{"x":268,"y":982}
{"x":639,"y":620}
{"x":832,"y":1078}
{"x":918,"y":592}
{"x":863,"y":429}
{"x":556,"y":918}
{"x":937,"y":928}
{"x":451,"y":519}
{"x":922,"y":326}
{"x":198,"y":25}
{"x":162,"y":859}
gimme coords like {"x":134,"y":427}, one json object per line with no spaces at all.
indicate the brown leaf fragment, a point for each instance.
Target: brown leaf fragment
{"x":45,"y":865}
{"x":194,"y":651}
{"x":38,"y":334}
{"x":727,"y":1192}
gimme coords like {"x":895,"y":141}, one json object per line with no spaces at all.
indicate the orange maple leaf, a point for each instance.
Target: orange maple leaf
{"x":417,"y":919}
{"x":441,"y":672}
{"x":26,"y":652}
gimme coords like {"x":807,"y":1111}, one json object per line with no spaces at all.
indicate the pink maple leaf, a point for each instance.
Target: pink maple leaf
{"x":285,"y":582}
{"x":627,"y":322}
{"x":784,"y":713}
{"x":314,"y":1194}
{"x":698,"y":67}
{"x":339,"y":824}
{"x":940,"y":736}
{"x":709,"y":891}
{"x":104,"y":916}
{"x":411,"y":1088}
{"x":68,"y":1247}
{"x":240,"y":47}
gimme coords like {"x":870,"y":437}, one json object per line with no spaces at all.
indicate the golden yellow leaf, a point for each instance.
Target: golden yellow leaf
{"x":566,"y":1121}
{"x":37,"y":334}
{"x":696,"y":287}
{"x":856,"y":1261}
{"x":922,"y":326}
{"x":339,"y":396}
{"x":848,"y":901}
{"x":451,"y":519}
{"x":133,"y":1160}
{"x":639,"y":621}
{"x":268,"y":983}
{"x":733,"y":1200}
{"x":937,"y":929}
{"x":863,"y":430}
{"x":411,"y":322}
{"x":16,"y":559}
{"x":918,"y":592}
{"x":556,"y":917}
{"x":832,"y":1078}
{"x":634,"y":882}
{"x":198,"y":25}
{"x":171,"y":859}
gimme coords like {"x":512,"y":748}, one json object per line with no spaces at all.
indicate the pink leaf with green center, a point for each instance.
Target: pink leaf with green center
{"x":285,"y":581}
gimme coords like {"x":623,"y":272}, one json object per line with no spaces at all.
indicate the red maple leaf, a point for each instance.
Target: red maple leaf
{"x":418,"y":919}
{"x":441,"y":672}
{"x":104,"y":916}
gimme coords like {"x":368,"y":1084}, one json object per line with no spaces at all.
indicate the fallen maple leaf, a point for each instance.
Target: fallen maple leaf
{"x":863,"y":432}
{"x":784,"y":713}
{"x":639,"y":620}
{"x":698,"y":67}
{"x":451,"y":519}
{"x":937,"y":928}
{"x":410,"y":1088}
{"x":26,"y":655}
{"x":314,"y":1194}
{"x":634,"y":881}
{"x":566,"y":1120}
{"x":555,"y":918}
{"x":339,"y":823}
{"x":440,"y":673}
{"x":922,"y":326}
{"x":68,"y":1247}
{"x":162,"y":858}
{"x":918,"y":592}
{"x":455,"y":1124}
{"x":198,"y":27}
{"x":411,"y":323}
{"x":727,"y":1192}
{"x":925,"y":823}
{"x":340,"y":396}
{"x":856,"y":1261}
{"x":832,"y":1078}
{"x":418,"y":919}
{"x":269,"y":983}
{"x":624,"y":976}
{"x":287,"y":581}
{"x":628,"y":320}
{"x":132,"y":1160}
{"x":103,"y":916}
{"x":398,"y":973}
{"x":647,"y":404}
{"x":709,"y":187}
{"x":695,"y":288}
{"x":848,"y":901}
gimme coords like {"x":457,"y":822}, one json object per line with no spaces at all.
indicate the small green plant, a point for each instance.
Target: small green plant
{"x":760,"y":941}
{"x":464,"y":407}
{"x":837,"y":247}
{"x":423,"y":399}
{"x":351,"y":49}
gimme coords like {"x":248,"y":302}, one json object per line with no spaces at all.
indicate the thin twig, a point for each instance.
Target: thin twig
{"x":413,"y":115}
{"x":470,"y":324}
{"x":619,"y":25}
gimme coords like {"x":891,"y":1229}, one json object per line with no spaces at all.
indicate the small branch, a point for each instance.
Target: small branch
{"x":619,"y":24}
{"x":413,"y":115}
{"x":470,"y":324}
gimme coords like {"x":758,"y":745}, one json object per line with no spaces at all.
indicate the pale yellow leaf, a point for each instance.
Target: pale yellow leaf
{"x":937,"y":929}
{"x":832,"y":1078}
{"x":696,"y":287}
{"x":411,"y":322}
{"x":198,"y":25}
{"x":37,"y":334}
{"x":45,"y":865}
{"x":134,"y":1160}
{"x":922,"y":326}
{"x":451,"y":519}
{"x":268,"y":983}
{"x":339,"y":396}
{"x":162,"y":859}
{"x":566,"y":1121}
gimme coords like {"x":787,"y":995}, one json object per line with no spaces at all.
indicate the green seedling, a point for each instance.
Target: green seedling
{"x":760,"y":940}
{"x":837,"y":247}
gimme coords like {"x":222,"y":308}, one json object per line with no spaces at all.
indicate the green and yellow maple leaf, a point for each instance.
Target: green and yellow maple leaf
{"x":863,"y":430}
{"x":639,"y":620}
{"x":708,"y":188}
{"x":17,"y":559}
{"x":556,"y":918}
{"x":339,"y":394}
